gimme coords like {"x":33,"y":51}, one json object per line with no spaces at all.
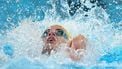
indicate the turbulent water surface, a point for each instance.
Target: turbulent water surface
{"x":22,"y":23}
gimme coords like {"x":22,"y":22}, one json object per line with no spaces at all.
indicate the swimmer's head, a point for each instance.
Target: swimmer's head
{"x":55,"y":35}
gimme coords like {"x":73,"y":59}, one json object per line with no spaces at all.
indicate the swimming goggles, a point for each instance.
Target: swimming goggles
{"x":59,"y":32}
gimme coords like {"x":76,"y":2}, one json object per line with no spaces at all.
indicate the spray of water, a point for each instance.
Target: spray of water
{"x":25,"y":39}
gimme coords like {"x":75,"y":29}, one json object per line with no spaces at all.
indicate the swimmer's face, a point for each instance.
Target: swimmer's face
{"x":54,"y":35}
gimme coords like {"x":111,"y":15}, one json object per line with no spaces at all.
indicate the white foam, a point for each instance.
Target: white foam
{"x":26,"y":38}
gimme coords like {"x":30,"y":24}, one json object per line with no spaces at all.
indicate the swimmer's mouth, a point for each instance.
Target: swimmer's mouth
{"x":51,"y":40}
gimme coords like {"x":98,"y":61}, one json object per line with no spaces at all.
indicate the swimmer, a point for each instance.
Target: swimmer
{"x":56,"y":35}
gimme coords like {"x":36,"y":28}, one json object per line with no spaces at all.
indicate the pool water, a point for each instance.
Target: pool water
{"x":23,"y":21}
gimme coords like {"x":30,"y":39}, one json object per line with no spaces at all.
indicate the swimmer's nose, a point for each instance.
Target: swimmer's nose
{"x":51,"y":34}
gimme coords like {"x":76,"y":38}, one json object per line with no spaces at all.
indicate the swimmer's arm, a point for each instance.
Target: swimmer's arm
{"x":78,"y":43}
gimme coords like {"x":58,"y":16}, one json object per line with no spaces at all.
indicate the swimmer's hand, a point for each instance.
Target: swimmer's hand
{"x":77,"y":44}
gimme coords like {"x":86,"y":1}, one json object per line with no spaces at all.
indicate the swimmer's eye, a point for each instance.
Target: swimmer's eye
{"x":61,"y":32}
{"x":45,"y":34}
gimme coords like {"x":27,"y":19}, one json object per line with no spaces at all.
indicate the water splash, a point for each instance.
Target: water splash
{"x":25,"y":39}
